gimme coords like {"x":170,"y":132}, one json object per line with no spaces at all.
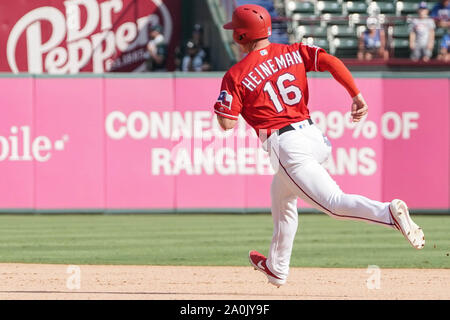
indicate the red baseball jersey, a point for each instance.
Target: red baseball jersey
{"x":269,"y":87}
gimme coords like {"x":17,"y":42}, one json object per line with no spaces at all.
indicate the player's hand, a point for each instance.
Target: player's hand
{"x":359,"y":108}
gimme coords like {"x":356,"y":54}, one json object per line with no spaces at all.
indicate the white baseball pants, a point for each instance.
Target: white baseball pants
{"x":296,"y":156}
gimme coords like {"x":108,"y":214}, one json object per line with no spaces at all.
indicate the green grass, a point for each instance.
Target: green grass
{"x":214,"y":239}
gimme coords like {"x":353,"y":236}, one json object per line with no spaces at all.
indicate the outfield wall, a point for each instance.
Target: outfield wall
{"x":143,"y":143}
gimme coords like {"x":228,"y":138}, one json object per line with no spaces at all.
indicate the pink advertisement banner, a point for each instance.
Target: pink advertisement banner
{"x":144,"y":143}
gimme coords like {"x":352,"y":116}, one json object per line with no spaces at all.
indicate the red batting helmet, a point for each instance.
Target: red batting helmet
{"x":250,"y":22}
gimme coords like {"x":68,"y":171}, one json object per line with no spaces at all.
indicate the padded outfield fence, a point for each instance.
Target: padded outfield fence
{"x":150,"y":143}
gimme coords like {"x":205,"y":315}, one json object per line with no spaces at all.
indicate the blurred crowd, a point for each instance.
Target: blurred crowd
{"x":193,"y":56}
{"x":372,"y":42}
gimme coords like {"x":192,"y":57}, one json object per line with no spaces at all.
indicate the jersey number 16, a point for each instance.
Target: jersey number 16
{"x":284,"y":91}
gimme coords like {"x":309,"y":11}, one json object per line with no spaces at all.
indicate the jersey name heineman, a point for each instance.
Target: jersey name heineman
{"x":269,"y":67}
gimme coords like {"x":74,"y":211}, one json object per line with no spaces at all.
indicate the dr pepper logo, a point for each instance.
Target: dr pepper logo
{"x":82,"y":35}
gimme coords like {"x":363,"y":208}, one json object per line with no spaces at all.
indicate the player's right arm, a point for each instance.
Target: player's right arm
{"x":228,"y":106}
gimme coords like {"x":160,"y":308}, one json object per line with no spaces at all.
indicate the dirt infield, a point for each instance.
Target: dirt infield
{"x":40,"y":281}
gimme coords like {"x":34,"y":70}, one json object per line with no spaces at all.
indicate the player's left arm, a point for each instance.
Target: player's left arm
{"x":327,"y":62}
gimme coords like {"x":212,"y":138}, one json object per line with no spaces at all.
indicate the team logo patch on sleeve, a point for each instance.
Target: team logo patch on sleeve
{"x":225,"y":99}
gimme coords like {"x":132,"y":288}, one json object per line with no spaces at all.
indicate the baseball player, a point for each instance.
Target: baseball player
{"x":269,"y":89}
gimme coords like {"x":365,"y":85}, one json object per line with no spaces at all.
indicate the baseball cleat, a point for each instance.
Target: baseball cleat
{"x":402,"y":220}
{"x":258,"y":261}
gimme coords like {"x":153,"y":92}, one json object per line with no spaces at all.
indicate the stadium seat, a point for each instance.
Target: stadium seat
{"x":373,"y":9}
{"x":305,"y":16}
{"x":355,"y":19}
{"x":305,"y":19}
{"x":401,"y":31}
{"x":312,"y":31}
{"x":409,"y":17}
{"x":320,"y":42}
{"x":401,"y":48}
{"x":329,"y":19}
{"x":329,"y":7}
{"x":345,"y":47}
{"x":340,"y":31}
{"x":429,"y":3}
{"x":407,"y":8}
{"x":386,"y":7}
{"x":356,"y":7}
{"x":393,"y":20}
{"x":301,"y":7}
